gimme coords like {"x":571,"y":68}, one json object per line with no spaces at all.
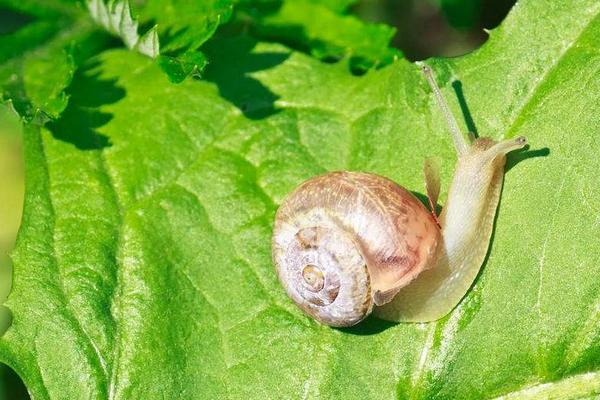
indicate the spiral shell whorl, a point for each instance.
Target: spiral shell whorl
{"x":322,"y":269}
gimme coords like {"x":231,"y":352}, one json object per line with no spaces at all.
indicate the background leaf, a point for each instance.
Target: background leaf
{"x":116,"y":18}
{"x":39,"y":54}
{"x":144,"y":253}
{"x":183,"y":27}
{"x":323,"y":30}
{"x":45,"y":80}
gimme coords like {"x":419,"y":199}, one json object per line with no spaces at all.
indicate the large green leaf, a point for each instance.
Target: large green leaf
{"x":143,"y":264}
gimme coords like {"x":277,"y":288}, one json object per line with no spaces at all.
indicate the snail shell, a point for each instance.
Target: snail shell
{"x":345,"y":242}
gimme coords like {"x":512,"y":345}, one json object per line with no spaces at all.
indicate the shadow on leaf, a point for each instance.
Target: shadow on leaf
{"x":425,"y":201}
{"x":78,"y":123}
{"x":514,"y":158}
{"x":370,"y":326}
{"x":11,"y":385}
{"x":231,"y":62}
{"x":457,"y":86}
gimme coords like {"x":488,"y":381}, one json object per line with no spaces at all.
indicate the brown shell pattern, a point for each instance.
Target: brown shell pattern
{"x":346,"y":241}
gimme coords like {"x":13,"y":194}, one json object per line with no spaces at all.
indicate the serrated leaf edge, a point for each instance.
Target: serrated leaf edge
{"x":115,"y":16}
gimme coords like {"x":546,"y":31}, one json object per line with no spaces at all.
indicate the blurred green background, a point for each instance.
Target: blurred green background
{"x":11,"y":200}
{"x":425,"y":28}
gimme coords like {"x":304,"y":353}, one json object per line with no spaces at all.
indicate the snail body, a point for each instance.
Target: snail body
{"x":346,"y":244}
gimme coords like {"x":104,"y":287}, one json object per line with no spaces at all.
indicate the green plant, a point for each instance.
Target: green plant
{"x":143,"y":269}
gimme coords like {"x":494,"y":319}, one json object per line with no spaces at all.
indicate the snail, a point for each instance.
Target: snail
{"x":346,"y":244}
